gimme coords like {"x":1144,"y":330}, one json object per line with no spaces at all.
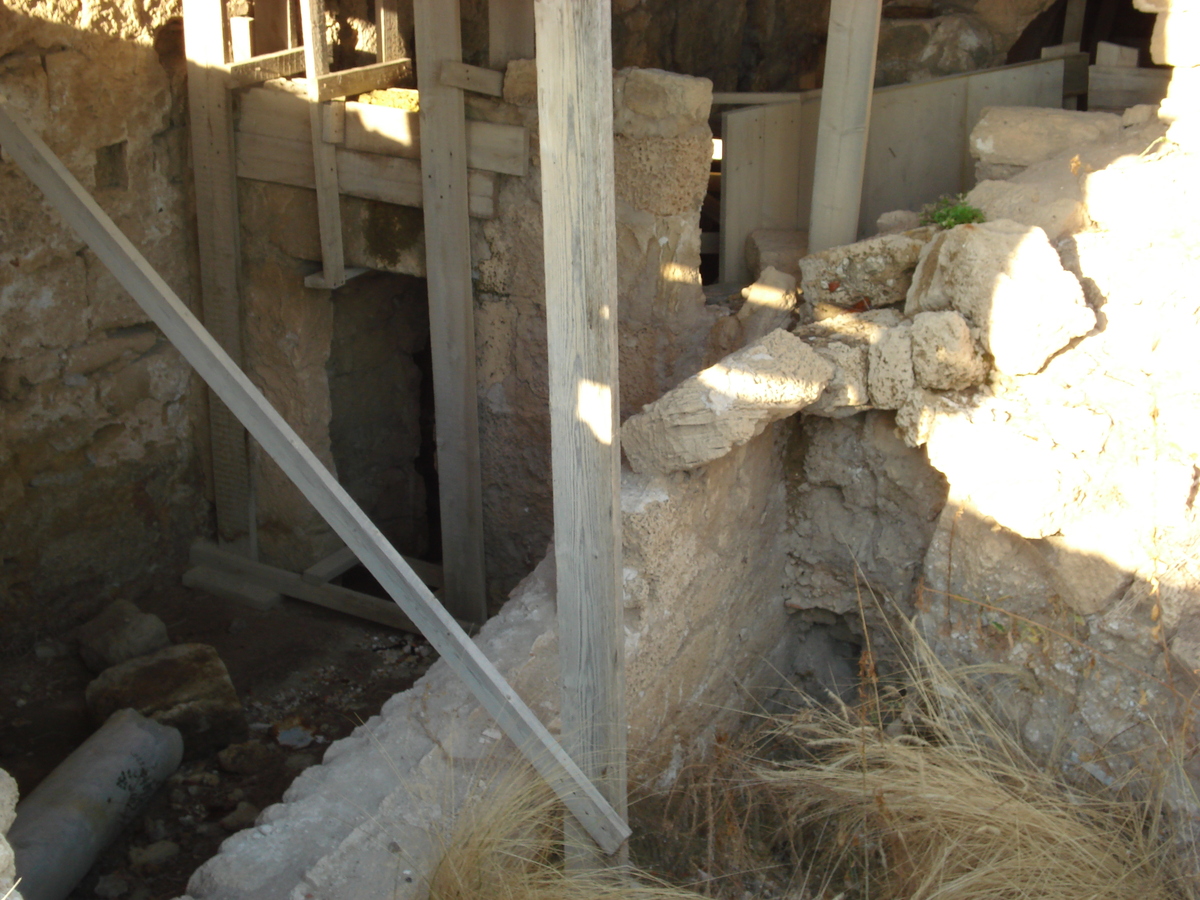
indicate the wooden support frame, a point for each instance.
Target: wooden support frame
{"x":451,"y":307}
{"x":844,"y":123}
{"x":263,"y":68}
{"x":218,"y":233}
{"x":387,"y":31}
{"x":285,"y":447}
{"x":575,"y":115}
{"x":329,"y":205}
{"x":472,"y":78}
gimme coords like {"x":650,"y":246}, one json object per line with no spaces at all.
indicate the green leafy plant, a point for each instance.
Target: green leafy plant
{"x":948,"y":211}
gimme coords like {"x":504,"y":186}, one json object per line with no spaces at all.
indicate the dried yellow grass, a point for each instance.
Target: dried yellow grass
{"x":943,"y":803}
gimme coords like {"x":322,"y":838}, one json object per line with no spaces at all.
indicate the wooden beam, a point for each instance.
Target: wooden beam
{"x":290,"y":453}
{"x":339,"y":562}
{"x":755,"y":98}
{"x":263,"y":68}
{"x":262,"y":577}
{"x":845,"y":117}
{"x":271,"y":28}
{"x":451,"y":307}
{"x":1120,"y":87}
{"x":387,"y":31}
{"x":329,"y":206}
{"x":510,"y":31}
{"x":370,"y":176}
{"x":241,"y":38}
{"x":331,"y":85}
{"x":472,"y":78}
{"x":382,"y":129}
{"x":1073,"y":22}
{"x":575,"y":117}
{"x":218,"y":233}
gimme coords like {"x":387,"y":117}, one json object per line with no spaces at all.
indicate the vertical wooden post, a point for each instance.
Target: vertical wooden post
{"x":329,"y":202}
{"x":387,"y":31}
{"x":451,"y":307}
{"x":270,"y":26}
{"x":1073,"y":22}
{"x":218,"y":233}
{"x":845,"y":115}
{"x":575,"y":116}
{"x":510,"y":31}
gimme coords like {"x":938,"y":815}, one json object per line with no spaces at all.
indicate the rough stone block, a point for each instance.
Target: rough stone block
{"x":897,"y":221}
{"x":520,"y":82}
{"x":775,"y":248}
{"x":8,"y":801}
{"x":876,"y":271}
{"x":769,"y":304}
{"x":890,"y":378}
{"x":1009,"y":284}
{"x":1055,"y":207}
{"x":656,"y":103}
{"x":1160,"y":196}
{"x":1024,"y":135}
{"x":186,"y":686}
{"x":845,"y":341}
{"x":725,"y":405}
{"x":120,"y":633}
{"x":944,"y":357}
{"x":666,"y":176}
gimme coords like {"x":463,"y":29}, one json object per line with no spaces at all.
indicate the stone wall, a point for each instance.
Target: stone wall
{"x":100,"y":472}
{"x":662,"y":151}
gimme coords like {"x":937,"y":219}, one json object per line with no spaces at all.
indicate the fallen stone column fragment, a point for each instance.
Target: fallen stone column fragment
{"x":725,"y":405}
{"x":68,"y":819}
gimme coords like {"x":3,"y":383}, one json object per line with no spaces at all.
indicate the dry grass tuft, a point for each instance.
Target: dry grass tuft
{"x":943,"y":803}
{"x":506,"y":845}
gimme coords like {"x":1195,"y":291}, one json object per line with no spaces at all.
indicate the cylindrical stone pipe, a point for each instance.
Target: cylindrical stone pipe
{"x":68,"y":819}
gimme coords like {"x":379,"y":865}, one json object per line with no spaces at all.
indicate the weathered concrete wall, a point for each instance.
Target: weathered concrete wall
{"x":100,"y":485}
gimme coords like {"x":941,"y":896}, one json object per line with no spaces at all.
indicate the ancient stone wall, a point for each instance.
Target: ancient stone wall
{"x":100,"y":481}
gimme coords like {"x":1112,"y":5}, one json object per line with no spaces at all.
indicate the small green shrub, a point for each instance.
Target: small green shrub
{"x":949,"y":211}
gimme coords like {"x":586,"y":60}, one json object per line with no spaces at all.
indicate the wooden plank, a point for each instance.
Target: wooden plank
{"x":1119,"y":87}
{"x":331,"y":85}
{"x":903,"y":171}
{"x":574,"y":65}
{"x":382,"y":129}
{"x":329,"y":205}
{"x":367,"y":175}
{"x":1073,"y":22}
{"x":510,"y":31}
{"x":218,"y":230}
{"x":472,"y":78}
{"x":844,"y":123}
{"x":333,"y":122}
{"x":241,"y":38}
{"x":231,"y":586}
{"x":741,"y":188}
{"x":271,"y":28}
{"x":289,"y":584}
{"x":339,"y":562}
{"x":262,"y":68}
{"x":755,"y":98}
{"x":451,"y":307}
{"x":387,"y":30}
{"x":780,"y":166}
{"x":289,"y":452}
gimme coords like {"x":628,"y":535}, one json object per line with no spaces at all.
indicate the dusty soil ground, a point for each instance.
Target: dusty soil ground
{"x":307,"y":672}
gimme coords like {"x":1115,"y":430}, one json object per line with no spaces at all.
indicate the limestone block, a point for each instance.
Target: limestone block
{"x":944,"y":357}
{"x":725,"y":405}
{"x":1139,"y":115}
{"x":890,"y":378}
{"x":666,"y":176}
{"x":520,"y":82}
{"x":775,"y":248}
{"x":1055,"y":207}
{"x":769,"y":304}
{"x":1009,"y":284}
{"x":186,"y":686}
{"x":845,"y":341}
{"x":877,"y":270}
{"x":897,"y":221}
{"x":120,"y":632}
{"x":656,"y":103}
{"x":1024,"y":135}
